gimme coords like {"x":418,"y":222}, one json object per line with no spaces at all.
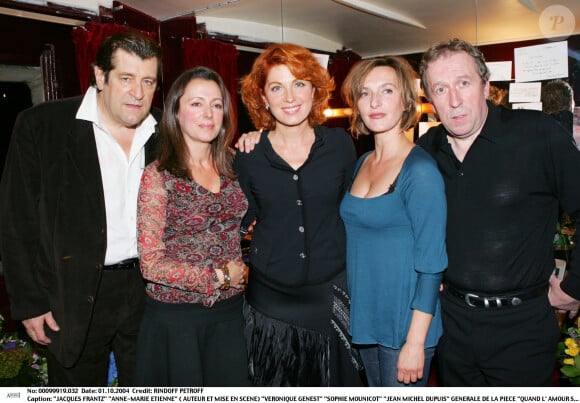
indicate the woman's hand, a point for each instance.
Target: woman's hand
{"x":248,"y":141}
{"x":237,"y":273}
{"x":411,"y":362}
{"x":412,"y":355}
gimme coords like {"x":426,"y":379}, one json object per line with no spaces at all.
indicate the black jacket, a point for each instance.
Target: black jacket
{"x":52,"y":221}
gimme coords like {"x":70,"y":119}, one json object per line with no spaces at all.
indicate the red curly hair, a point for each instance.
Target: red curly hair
{"x":303,"y":65}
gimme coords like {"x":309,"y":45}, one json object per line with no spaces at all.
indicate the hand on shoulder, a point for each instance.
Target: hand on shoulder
{"x":247,"y":141}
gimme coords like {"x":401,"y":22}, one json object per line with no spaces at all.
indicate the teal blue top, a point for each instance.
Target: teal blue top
{"x":396,"y":254}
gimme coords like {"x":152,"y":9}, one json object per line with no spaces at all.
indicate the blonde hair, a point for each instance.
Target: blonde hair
{"x":353,"y":83}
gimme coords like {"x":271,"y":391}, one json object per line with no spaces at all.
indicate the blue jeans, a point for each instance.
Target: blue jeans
{"x":380,"y":364}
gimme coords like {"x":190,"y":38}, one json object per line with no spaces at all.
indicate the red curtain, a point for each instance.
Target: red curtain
{"x":87,"y":39}
{"x":219,"y":56}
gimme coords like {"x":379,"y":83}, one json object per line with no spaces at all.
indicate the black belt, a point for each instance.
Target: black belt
{"x":485,"y":301}
{"x":126,"y":264}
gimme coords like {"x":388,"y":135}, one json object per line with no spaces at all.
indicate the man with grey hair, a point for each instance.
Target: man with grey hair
{"x":506,"y":172}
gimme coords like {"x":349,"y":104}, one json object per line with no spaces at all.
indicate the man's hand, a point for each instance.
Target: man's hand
{"x":248,"y":141}
{"x":560,"y":300}
{"x":35,"y":327}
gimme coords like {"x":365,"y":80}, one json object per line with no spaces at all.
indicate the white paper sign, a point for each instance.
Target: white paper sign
{"x":525,"y":92}
{"x":537,"y":106}
{"x":500,"y":71}
{"x":541,"y":62}
{"x":425,"y":126}
{"x":322,"y":59}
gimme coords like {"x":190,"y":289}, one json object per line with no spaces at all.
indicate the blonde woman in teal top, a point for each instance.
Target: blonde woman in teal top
{"x":394,"y":214}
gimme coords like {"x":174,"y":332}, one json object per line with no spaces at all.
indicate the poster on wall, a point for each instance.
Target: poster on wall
{"x":525,"y":92}
{"x":536,"y":106}
{"x":541,"y":62}
{"x":500,"y":71}
{"x":322,"y":59}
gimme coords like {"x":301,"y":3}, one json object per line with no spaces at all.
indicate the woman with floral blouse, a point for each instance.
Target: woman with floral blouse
{"x":189,"y":212}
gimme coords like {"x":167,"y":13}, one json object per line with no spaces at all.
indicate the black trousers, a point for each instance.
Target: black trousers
{"x":117,"y":314}
{"x":509,"y":346}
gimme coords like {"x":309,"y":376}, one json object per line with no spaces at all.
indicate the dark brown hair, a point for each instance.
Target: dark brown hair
{"x":130,"y":41}
{"x":173,"y":155}
{"x":303,"y":65}
{"x":557,"y":96}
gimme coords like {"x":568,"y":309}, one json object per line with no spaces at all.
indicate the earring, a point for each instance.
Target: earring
{"x":268,"y":108}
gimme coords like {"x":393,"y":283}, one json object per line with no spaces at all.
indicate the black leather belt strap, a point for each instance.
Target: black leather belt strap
{"x":127,"y":264}
{"x":474,"y":300}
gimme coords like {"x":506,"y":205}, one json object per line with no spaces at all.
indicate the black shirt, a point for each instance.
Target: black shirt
{"x":566,"y":119}
{"x":503,"y":201}
{"x":299,"y":238}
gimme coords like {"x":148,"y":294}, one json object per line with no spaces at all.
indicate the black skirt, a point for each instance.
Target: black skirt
{"x":298,"y":336}
{"x":192,"y":345}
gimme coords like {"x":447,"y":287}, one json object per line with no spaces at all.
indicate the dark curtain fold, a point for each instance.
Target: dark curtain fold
{"x":87,"y":40}
{"x":48,"y":65}
{"x":219,"y":56}
{"x":338,"y":68}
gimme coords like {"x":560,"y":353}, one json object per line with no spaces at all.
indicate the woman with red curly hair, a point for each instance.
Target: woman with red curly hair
{"x":297,"y":306}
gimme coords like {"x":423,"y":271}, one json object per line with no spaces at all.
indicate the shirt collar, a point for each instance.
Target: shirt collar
{"x":89,"y":111}
{"x":276,"y":160}
{"x":489,"y":131}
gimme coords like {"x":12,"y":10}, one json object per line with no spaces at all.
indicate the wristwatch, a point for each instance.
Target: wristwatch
{"x":227,"y":279}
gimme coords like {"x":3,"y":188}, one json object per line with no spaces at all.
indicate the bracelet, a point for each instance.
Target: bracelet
{"x":227,"y":279}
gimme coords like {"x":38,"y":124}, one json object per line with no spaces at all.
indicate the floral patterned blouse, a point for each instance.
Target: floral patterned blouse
{"x":185,"y":232}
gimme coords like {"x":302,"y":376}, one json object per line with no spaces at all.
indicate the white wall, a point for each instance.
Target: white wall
{"x":32,"y":76}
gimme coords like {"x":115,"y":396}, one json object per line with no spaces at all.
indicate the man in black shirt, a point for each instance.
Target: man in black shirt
{"x":506,"y":172}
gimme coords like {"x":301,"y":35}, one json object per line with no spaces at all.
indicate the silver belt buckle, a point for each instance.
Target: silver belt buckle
{"x":498,"y":303}
{"x":468,"y":297}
